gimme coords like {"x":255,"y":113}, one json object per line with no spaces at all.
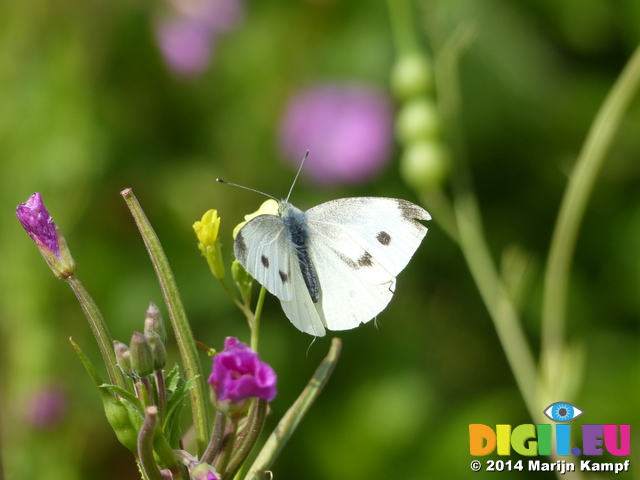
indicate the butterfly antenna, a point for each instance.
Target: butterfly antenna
{"x":297,"y":174}
{"x":246,"y":188}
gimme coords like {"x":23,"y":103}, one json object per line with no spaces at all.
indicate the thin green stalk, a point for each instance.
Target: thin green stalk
{"x":148,"y":463}
{"x":470,"y":235}
{"x":288,"y":424}
{"x":100,"y":331}
{"x":184,"y":336}
{"x":496,"y":299}
{"x":572,"y":211}
{"x":255,"y":323}
{"x":403,"y":19}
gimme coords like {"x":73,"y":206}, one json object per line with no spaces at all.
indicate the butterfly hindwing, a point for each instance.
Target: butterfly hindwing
{"x":346,"y":300}
{"x":305,"y":315}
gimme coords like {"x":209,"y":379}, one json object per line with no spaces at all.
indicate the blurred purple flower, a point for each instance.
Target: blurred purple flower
{"x":46,"y":408}
{"x":185,"y":44}
{"x":238,"y":374}
{"x":188,"y":35}
{"x":347,"y":129}
{"x":37,"y":222}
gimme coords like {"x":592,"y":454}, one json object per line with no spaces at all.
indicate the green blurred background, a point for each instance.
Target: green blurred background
{"x":88,"y":107}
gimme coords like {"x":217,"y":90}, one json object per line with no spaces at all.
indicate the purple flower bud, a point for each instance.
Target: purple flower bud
{"x":348,"y":130}
{"x":238,"y":374}
{"x":37,"y":222}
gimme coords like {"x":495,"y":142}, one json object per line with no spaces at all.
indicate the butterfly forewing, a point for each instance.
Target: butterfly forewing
{"x":383,"y":231}
{"x":264,"y":250}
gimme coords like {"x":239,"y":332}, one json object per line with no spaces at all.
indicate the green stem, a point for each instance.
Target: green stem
{"x":496,"y":299}
{"x":254,"y":323}
{"x":468,"y":226}
{"x":572,"y":211}
{"x":403,"y":17}
{"x":248,"y":437}
{"x":145,"y":445}
{"x":288,"y":424}
{"x":184,"y":336}
{"x":100,"y":331}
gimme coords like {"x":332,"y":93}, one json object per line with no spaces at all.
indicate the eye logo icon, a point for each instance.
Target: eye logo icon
{"x":562,"y":412}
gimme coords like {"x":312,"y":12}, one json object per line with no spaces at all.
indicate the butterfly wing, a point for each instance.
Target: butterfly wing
{"x":263,"y":248}
{"x":358,"y":247}
{"x":305,"y":315}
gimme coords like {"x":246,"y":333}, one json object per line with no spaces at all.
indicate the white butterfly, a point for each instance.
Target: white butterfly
{"x":335,"y":265}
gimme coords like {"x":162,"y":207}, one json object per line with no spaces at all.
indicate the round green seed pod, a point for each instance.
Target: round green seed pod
{"x":418,"y":119}
{"x":425,"y":165}
{"x":411,"y":76}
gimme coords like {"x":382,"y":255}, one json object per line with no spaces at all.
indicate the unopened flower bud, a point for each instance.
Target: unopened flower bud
{"x":412,"y":75}
{"x":123,"y":357}
{"x":141,"y":355}
{"x":158,"y":350}
{"x":154,"y":322}
{"x":204,"y":471}
{"x":37,"y":222}
{"x":242,"y":279}
{"x":209,"y":244}
{"x":424,"y":165}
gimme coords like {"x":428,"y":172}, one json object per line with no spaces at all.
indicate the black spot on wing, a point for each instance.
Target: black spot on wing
{"x":265,"y":261}
{"x":384,"y":238}
{"x":283,"y":276}
{"x":365,"y":260}
{"x":241,"y":248}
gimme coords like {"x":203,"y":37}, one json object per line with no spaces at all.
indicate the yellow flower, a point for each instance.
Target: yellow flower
{"x":207,"y":233}
{"x":207,"y":228}
{"x":269,"y":207}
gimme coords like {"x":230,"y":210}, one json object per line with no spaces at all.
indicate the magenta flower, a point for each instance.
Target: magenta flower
{"x":238,"y":374}
{"x":347,"y":129}
{"x":37,"y":222}
{"x":187,"y":37}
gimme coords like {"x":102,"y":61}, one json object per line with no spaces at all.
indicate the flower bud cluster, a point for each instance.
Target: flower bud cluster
{"x":146,"y":353}
{"x":425,"y":160}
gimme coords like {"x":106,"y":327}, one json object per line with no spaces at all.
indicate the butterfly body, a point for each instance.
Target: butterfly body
{"x":335,"y":265}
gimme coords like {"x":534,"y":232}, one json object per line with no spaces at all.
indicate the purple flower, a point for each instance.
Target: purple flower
{"x":187,"y":36}
{"x":46,"y":408}
{"x":238,"y":374}
{"x":37,"y":222}
{"x":347,"y":129}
